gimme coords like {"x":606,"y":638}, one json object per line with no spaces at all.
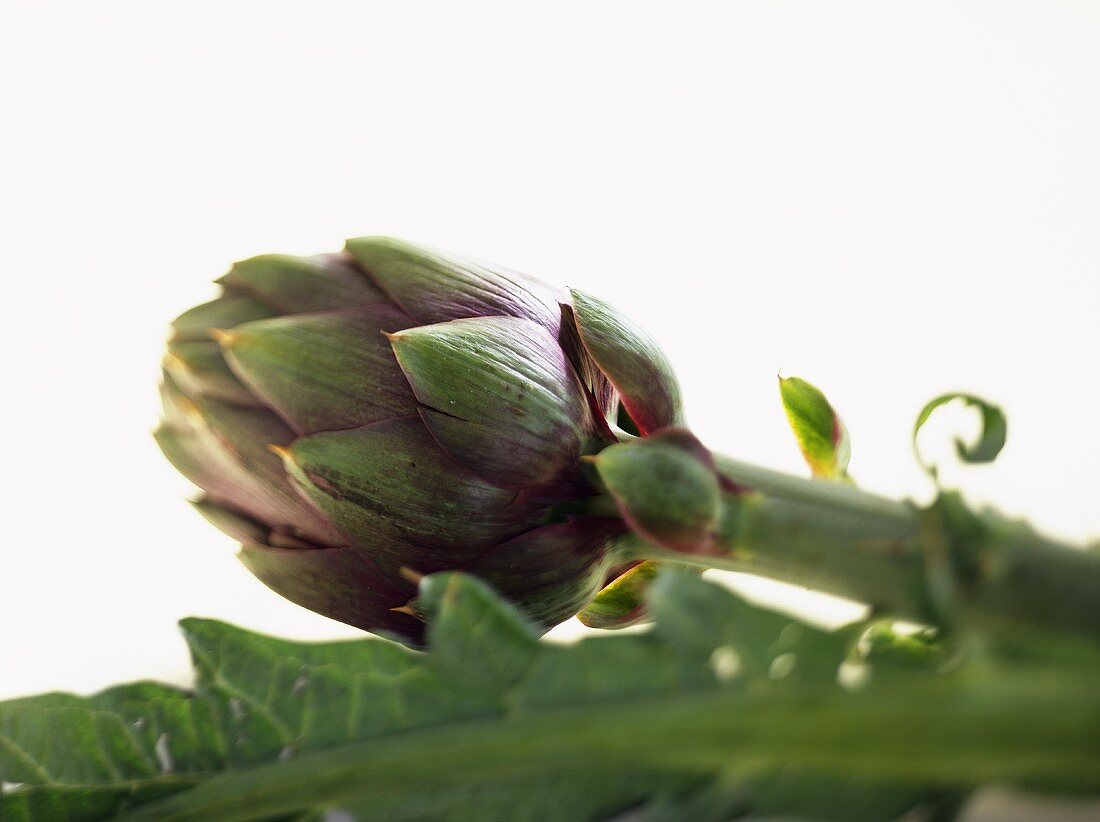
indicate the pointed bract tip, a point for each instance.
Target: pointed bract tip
{"x":190,"y":411}
{"x":406,"y":609}
{"x":284,"y":453}
{"x":223,"y":336}
{"x":591,"y":459}
{"x":412,"y":576}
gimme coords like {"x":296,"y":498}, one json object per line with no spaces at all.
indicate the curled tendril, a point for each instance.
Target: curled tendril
{"x":990,"y":440}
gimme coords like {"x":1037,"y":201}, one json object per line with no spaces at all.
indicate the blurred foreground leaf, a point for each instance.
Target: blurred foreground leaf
{"x":723,"y":709}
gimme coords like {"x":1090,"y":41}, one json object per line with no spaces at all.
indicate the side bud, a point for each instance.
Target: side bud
{"x":666,"y":488}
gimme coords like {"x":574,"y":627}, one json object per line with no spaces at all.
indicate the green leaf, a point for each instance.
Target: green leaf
{"x":620,"y":602}
{"x":492,"y":723}
{"x":990,"y":441}
{"x":480,"y":641}
{"x":884,"y":647}
{"x":737,"y":639}
{"x":820,"y":432}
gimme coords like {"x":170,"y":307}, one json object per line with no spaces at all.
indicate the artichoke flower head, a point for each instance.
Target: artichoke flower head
{"x":358,"y":419}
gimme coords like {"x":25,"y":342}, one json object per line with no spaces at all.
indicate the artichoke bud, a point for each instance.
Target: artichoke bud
{"x":356,"y":419}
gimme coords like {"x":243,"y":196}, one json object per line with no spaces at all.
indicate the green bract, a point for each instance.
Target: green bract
{"x":357,"y":420}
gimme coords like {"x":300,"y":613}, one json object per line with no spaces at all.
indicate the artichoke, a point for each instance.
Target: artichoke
{"x":356,"y":420}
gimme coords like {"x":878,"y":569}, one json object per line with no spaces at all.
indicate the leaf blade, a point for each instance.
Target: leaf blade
{"x":821,"y":435}
{"x":371,"y":722}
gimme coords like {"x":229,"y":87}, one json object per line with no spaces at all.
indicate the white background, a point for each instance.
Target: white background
{"x":891,"y":200}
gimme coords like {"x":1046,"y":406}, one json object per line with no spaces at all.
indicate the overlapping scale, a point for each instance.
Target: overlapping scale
{"x":224,"y":449}
{"x":324,"y":371}
{"x":632,"y":361}
{"x":400,"y":500}
{"x":433,"y":287}
{"x":500,"y":396}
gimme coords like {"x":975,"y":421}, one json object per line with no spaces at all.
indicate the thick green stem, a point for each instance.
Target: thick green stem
{"x":835,"y":538}
{"x":1038,"y":729}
